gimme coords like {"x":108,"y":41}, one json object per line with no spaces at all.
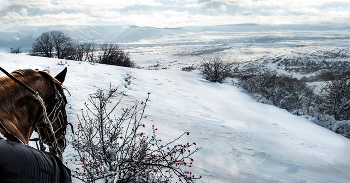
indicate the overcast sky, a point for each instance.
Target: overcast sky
{"x":172,"y":13}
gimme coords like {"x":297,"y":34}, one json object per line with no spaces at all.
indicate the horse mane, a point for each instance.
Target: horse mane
{"x":30,"y":72}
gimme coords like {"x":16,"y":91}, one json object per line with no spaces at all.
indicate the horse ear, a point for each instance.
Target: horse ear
{"x":62,"y":75}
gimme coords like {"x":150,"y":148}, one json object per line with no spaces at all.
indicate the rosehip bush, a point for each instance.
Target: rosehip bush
{"x":119,"y":150}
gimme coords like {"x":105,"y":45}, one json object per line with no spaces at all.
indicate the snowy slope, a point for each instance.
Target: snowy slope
{"x":241,"y":140}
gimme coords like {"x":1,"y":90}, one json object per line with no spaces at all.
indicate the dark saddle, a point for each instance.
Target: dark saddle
{"x":22,"y":163}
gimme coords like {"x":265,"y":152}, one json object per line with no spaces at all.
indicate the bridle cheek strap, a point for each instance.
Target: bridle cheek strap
{"x":46,"y":121}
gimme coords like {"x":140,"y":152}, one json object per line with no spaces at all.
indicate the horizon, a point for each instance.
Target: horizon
{"x":127,"y":36}
{"x":331,"y":26}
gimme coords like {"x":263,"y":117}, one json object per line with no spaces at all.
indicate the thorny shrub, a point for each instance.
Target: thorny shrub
{"x":118,"y":150}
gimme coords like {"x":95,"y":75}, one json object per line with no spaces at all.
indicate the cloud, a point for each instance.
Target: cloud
{"x":278,"y":3}
{"x":192,"y":5}
{"x":171,"y":18}
{"x":46,"y":19}
{"x":304,"y":11}
{"x":274,"y":3}
{"x":3,"y":4}
{"x":173,"y":13}
{"x":214,"y":6}
{"x":23,"y":11}
{"x":105,"y":14}
{"x":81,"y":4}
{"x":41,"y":4}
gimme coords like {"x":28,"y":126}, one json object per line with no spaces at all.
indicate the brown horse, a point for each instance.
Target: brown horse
{"x":21,"y":113}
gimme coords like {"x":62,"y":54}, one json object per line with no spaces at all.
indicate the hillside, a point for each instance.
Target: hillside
{"x":241,"y":140}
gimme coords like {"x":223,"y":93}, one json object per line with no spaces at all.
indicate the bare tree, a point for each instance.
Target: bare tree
{"x":336,"y":99}
{"x":79,"y":51}
{"x":43,"y":45}
{"x":60,"y":41}
{"x":15,"y":50}
{"x":118,"y":150}
{"x":113,"y":55}
{"x":48,"y":42}
{"x":89,"y":53}
{"x":82,"y":50}
{"x":216,"y":70}
{"x":69,"y":52}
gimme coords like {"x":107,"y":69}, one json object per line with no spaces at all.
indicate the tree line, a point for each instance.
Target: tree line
{"x":60,"y":45}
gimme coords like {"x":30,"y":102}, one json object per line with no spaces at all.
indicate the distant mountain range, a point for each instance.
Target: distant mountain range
{"x":24,"y":36}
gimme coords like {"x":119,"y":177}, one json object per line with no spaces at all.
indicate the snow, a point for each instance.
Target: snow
{"x":158,"y":48}
{"x":242,"y":140}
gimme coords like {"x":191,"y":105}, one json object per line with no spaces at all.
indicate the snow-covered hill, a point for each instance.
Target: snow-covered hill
{"x":241,"y":140}
{"x":24,"y":36}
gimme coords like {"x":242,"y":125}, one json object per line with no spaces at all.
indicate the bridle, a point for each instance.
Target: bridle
{"x":57,"y":114}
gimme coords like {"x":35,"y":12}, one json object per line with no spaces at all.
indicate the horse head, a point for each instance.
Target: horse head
{"x":21,"y":112}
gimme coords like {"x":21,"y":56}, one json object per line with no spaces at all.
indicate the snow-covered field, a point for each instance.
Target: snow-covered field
{"x":177,"y":50}
{"x":241,"y":140}
{"x":154,"y":48}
